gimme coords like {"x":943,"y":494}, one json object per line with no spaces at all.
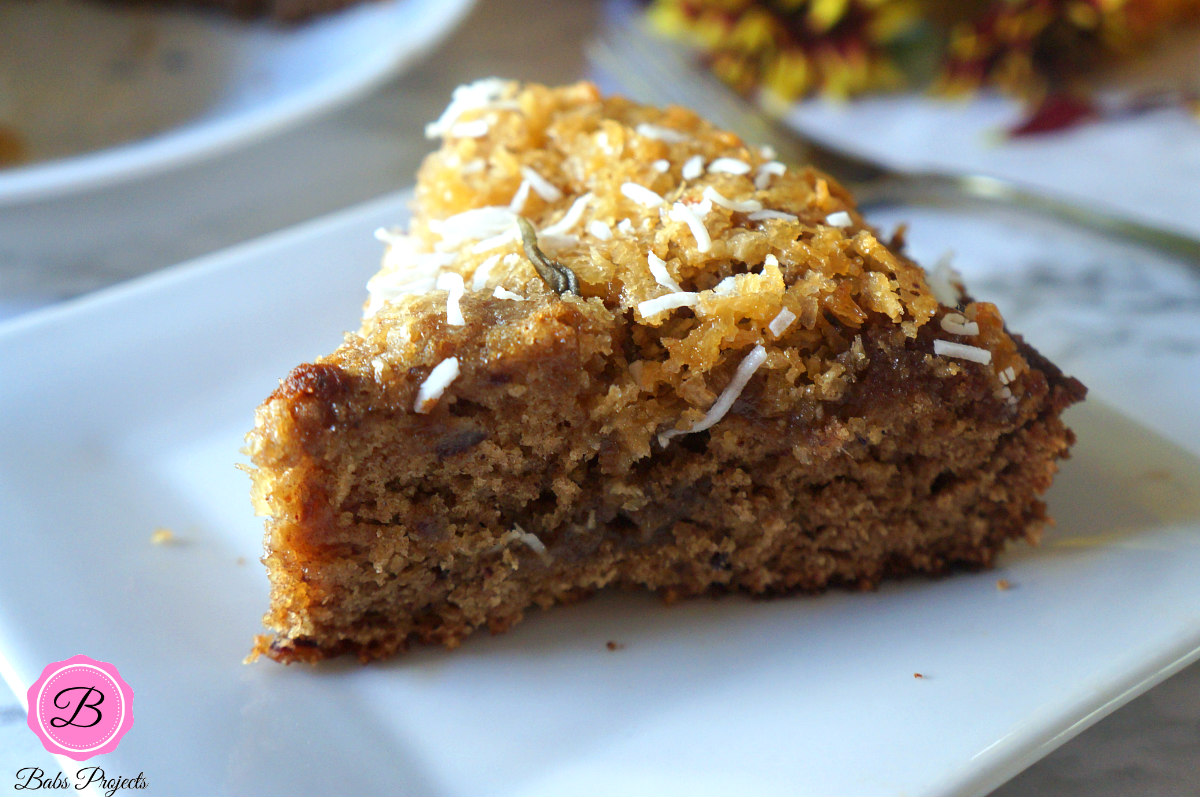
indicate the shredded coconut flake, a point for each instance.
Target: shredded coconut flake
{"x":948,"y":348}
{"x":570,"y":218}
{"x":473,"y":166}
{"x":476,"y":128}
{"x":405,"y":270}
{"x":728,"y":166}
{"x":662,"y":166}
{"x":517,"y":204}
{"x":762,"y":177}
{"x":957,"y":324}
{"x":452,"y":282}
{"x":746,"y":368}
{"x":390,"y":235}
{"x":545,"y":189}
{"x":763,"y":215}
{"x":1007,"y":375}
{"x":431,"y":390}
{"x":740,"y":206}
{"x":670,"y":301}
{"x":473,"y":225}
{"x":685,"y":215}
{"x":496,"y":241}
{"x":658,"y":268}
{"x":598,"y":229}
{"x":839,"y":219}
{"x":693,"y":167}
{"x":480,"y":279}
{"x":726,"y":287}
{"x":641,"y":194}
{"x":501,"y":293}
{"x":530,"y":539}
{"x":483,"y":94}
{"x":767,"y":151}
{"x":625,"y":226}
{"x":661,"y":133}
{"x":944,"y":282}
{"x":780,"y":323}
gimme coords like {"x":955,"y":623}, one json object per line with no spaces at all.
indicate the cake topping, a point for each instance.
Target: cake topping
{"x":728,"y":166}
{"x":501,"y":293}
{"x":476,"y":128}
{"x":762,"y":177}
{"x":520,"y":198}
{"x":571,"y":218}
{"x":661,"y":133}
{"x":945,"y":282}
{"x":684,"y":214}
{"x":780,"y":323}
{"x":739,"y":206}
{"x":435,"y":385}
{"x":545,"y":189}
{"x":746,"y":368}
{"x":587,"y":174}
{"x":946,"y":348}
{"x":480,"y":279}
{"x":670,"y":301}
{"x":641,"y":194}
{"x":957,"y":324}
{"x":472,"y":225}
{"x":598,"y":229}
{"x":765,"y":214}
{"x":488,"y":93}
{"x":659,"y":269}
{"x":452,"y":282}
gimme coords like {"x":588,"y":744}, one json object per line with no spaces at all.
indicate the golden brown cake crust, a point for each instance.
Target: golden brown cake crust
{"x":751,"y":392}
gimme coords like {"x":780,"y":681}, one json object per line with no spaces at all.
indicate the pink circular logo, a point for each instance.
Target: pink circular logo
{"x":80,"y":707}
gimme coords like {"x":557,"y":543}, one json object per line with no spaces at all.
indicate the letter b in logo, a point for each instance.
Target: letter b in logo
{"x":63,"y":700}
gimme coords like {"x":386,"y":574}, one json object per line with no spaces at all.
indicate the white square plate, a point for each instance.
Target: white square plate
{"x":124,"y":413}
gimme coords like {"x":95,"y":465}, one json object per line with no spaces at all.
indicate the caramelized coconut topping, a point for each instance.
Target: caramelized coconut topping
{"x":723,"y":250}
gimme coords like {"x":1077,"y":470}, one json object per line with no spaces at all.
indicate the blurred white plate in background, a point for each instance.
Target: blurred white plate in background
{"x":92,"y":94}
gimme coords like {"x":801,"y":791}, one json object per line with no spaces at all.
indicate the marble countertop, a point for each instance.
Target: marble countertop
{"x":51,"y":251}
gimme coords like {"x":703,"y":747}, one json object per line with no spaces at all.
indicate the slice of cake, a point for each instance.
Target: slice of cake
{"x":618,"y":347}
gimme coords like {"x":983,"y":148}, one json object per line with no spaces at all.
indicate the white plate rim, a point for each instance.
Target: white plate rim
{"x":188,"y":144}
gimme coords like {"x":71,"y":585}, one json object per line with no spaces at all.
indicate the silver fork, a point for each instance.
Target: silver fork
{"x":659,"y":72}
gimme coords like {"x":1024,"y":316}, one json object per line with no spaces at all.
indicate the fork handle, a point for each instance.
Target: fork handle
{"x":943,"y":190}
